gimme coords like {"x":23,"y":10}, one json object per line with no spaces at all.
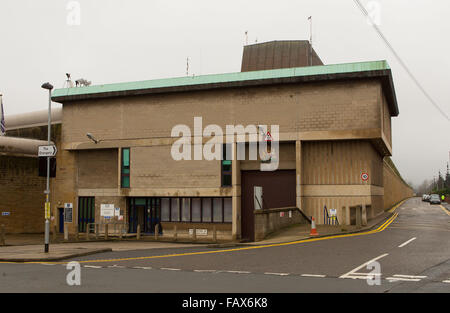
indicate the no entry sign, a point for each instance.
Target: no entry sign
{"x":364,"y":176}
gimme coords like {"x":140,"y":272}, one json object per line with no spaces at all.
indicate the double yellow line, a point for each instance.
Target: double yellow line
{"x":377,"y":230}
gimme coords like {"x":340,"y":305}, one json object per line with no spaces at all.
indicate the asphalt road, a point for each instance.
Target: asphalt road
{"x":413,"y":253}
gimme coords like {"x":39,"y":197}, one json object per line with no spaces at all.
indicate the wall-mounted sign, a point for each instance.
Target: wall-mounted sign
{"x":47,"y":210}
{"x":116,"y":211}
{"x":47,"y":151}
{"x":6,"y":213}
{"x":333,"y":212}
{"x":68,"y":212}
{"x":107,"y":210}
{"x":364,"y":176}
{"x":199,"y":232}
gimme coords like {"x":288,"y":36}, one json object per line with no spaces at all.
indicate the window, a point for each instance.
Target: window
{"x":217,"y":210}
{"x":125,"y":168}
{"x":165,"y":210}
{"x":206,"y":210}
{"x":175,"y":210}
{"x":227,"y":210}
{"x":86,"y":212}
{"x":226,"y":166}
{"x":196,"y":210}
{"x":186,"y":210}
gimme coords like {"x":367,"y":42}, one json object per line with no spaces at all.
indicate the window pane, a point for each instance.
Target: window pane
{"x":175,"y":210}
{"x":227,"y":209}
{"x":217,"y":205}
{"x":185,"y":210}
{"x":165,"y":210}
{"x":125,"y":181}
{"x":226,"y":180}
{"x":126,"y":157}
{"x":196,"y":207}
{"x":206,"y":202}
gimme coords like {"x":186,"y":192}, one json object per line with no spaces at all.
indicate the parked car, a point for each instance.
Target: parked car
{"x":435,"y":199}
{"x":424,"y":197}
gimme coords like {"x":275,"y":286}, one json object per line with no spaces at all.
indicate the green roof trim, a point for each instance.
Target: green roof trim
{"x":223,"y":78}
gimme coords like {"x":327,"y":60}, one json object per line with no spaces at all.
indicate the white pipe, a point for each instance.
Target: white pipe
{"x":32,"y":119}
{"x":16,"y":145}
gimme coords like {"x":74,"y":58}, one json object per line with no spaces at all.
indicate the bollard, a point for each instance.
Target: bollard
{"x":96,"y":231}
{"x":2,"y":235}
{"x":106,"y":231}
{"x":66,"y":232}
{"x":156,"y":231}
{"x":194,"y":234}
{"x":120,"y":231}
{"x":88,"y":227}
{"x":175,"y":234}
{"x":358,"y":216}
{"x":214,"y":233}
{"x":138,"y":232}
{"x":54,"y":233}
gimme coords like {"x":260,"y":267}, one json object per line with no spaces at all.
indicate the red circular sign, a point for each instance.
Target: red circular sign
{"x":364,"y":176}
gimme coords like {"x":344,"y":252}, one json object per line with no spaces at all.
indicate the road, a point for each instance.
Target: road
{"x":413,"y":252}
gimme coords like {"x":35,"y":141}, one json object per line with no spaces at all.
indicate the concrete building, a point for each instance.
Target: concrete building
{"x":334,"y":142}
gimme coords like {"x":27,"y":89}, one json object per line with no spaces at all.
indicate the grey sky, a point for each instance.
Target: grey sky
{"x":131,"y":40}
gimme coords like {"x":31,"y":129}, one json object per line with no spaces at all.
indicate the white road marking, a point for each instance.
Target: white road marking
{"x":277,"y":274}
{"x":92,"y":266}
{"x":354,"y":271}
{"x":391,"y":279}
{"x":406,"y":242}
{"x":170,"y":269}
{"x":312,"y":275}
{"x":116,"y":266}
{"x":409,"y":276}
{"x":205,"y":271}
{"x":238,"y":272}
{"x":142,"y":268}
{"x":446,"y":281}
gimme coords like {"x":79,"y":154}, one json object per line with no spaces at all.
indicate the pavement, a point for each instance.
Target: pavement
{"x":29,"y":247}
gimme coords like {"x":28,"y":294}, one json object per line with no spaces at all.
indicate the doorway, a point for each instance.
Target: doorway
{"x":61,"y":220}
{"x":145,"y":212}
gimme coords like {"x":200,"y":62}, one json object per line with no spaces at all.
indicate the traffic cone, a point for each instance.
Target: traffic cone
{"x":313,"y":228}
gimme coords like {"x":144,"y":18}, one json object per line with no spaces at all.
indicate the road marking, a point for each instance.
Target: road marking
{"x":445,"y":210}
{"x":446,"y":281}
{"x":169,"y":269}
{"x":238,"y":272}
{"x":371,"y":232}
{"x":313,"y":275}
{"x":391,"y":279}
{"x":354,"y":271}
{"x":409,"y":276}
{"x":205,"y":271}
{"x":277,"y":274}
{"x":116,"y":266}
{"x":92,"y":266}
{"x":406,"y":242}
{"x":142,"y":267}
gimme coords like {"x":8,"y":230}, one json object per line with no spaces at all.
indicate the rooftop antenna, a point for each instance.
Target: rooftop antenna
{"x":187,"y":66}
{"x":68,"y":83}
{"x":246,"y":37}
{"x":310,"y":41}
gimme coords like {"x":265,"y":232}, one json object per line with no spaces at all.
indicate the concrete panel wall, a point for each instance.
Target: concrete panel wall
{"x":395,"y":189}
{"x":323,"y":106}
{"x":97,"y":168}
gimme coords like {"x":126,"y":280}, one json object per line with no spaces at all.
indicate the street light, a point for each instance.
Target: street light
{"x":49,"y":87}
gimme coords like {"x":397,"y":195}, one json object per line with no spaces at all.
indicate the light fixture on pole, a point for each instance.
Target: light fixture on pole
{"x":49,"y":87}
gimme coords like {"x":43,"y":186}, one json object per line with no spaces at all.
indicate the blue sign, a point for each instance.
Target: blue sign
{"x":6,"y":213}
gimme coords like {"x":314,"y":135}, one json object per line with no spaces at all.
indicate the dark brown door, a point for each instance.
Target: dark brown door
{"x":278,"y":192}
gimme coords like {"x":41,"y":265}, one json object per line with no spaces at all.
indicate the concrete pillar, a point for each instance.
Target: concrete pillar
{"x":214,"y":233}
{"x":236,"y":200}
{"x":298,"y":170}
{"x":347,"y":215}
{"x":138,"y":232}
{"x":106,"y":231}
{"x":358,"y":216}
{"x":364,"y":215}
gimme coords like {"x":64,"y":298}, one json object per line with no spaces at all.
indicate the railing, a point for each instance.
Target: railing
{"x":329,"y":220}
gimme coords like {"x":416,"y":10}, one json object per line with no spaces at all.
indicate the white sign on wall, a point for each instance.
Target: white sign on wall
{"x":199,"y":232}
{"x":107,"y":210}
{"x":258,"y":201}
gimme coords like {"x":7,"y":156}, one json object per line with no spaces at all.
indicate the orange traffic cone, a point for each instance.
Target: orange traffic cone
{"x":313,"y":228}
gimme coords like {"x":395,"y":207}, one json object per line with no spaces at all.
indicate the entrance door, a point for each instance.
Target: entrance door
{"x":61,"y":219}
{"x":278,"y":192}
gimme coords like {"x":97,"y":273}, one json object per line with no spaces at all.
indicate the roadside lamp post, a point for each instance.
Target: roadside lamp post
{"x":49,"y":87}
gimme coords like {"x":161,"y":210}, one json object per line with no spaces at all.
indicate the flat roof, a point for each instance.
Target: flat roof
{"x":360,"y":70}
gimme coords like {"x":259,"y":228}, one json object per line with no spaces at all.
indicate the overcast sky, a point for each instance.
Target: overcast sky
{"x":119,"y":41}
